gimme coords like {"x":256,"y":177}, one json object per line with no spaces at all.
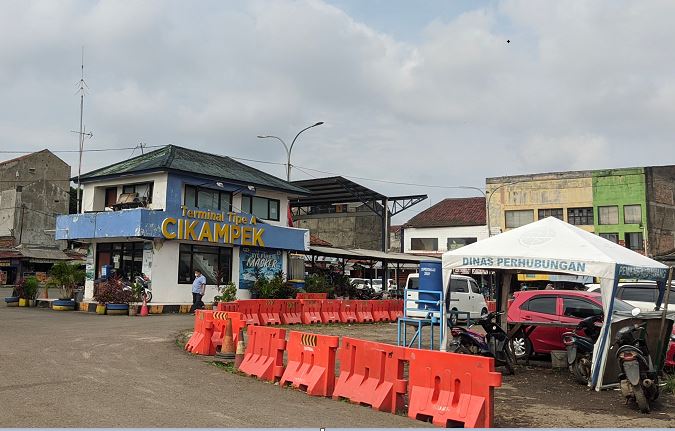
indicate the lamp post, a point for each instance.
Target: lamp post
{"x":289,"y":149}
{"x":487,"y":204}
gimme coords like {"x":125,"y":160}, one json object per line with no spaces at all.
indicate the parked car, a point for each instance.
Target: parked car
{"x":564,"y":306}
{"x":463,"y":295}
{"x":670,"y":355}
{"x":360,"y":283}
{"x":640,"y":294}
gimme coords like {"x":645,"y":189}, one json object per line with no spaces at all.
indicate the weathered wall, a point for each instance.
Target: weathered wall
{"x":349,"y":230}
{"x":35,"y":188}
{"x":540,"y":191}
{"x":661,"y":209}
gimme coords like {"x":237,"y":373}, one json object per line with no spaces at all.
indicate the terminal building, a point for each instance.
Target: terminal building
{"x":175,"y":210}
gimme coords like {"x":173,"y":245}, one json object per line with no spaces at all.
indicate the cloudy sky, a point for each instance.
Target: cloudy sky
{"x":427,"y":93}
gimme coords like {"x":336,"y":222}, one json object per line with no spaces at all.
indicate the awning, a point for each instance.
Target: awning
{"x":43,"y":254}
{"x":360,"y":253}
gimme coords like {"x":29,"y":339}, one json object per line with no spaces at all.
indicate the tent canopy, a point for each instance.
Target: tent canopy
{"x":551,"y":245}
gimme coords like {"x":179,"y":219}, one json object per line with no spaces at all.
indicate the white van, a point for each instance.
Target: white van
{"x":463,"y":295}
{"x":640,"y":294}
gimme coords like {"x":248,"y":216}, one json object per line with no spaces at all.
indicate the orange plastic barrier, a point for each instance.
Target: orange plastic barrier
{"x":269,"y":311}
{"x":250,"y":309}
{"x":219,"y":317}
{"x":371,"y":373}
{"x":311,"y":363}
{"x":364,"y":312}
{"x":228,"y":306}
{"x":290,"y":311}
{"x":453,"y":390}
{"x":311,"y":311}
{"x":200,"y":341}
{"x":300,"y":295}
{"x":491,"y":305}
{"x":348,"y":311}
{"x":395,"y":309}
{"x":264,"y":357}
{"x":330,"y":310}
{"x":380,"y":310}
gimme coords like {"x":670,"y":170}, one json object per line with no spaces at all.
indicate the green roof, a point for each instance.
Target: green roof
{"x":198,"y":163}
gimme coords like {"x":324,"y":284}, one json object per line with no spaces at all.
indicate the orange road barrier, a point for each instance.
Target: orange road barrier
{"x":364,"y":313}
{"x":264,"y":357}
{"x":200,"y":341}
{"x":330,"y":310}
{"x":250,"y":309}
{"x":219,"y":318}
{"x":228,"y":306}
{"x":311,"y":295}
{"x":269,"y":311}
{"x":241,"y":349}
{"x":311,"y":363}
{"x":291,"y":310}
{"x":380,"y":310}
{"x":348,"y":311}
{"x":311,"y":311}
{"x":371,"y":373}
{"x":395,"y":309}
{"x":453,"y":390}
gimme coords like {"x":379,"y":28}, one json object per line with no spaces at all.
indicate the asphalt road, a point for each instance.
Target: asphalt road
{"x":72,"y":369}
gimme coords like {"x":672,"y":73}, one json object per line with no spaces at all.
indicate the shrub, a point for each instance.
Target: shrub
{"x":113,"y":291}
{"x":31,"y":287}
{"x":274,"y":288}
{"x":67,"y":277}
{"x":227,"y":292}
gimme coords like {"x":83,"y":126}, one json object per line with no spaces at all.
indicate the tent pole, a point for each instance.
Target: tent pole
{"x":504,"y":295}
{"x":663,"y":316}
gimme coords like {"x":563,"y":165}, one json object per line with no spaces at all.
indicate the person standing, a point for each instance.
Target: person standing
{"x":198,"y":289}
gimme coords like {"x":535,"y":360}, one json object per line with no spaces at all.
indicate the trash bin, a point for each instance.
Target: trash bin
{"x":79,"y":295}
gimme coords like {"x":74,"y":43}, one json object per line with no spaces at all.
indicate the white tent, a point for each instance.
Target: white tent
{"x":551,"y":245}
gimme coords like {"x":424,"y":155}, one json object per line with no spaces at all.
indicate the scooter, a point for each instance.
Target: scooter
{"x":580,"y":348}
{"x":639,"y":380}
{"x":495,"y":343}
{"x":144,"y":282}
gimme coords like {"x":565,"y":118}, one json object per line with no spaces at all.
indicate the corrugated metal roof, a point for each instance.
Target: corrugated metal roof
{"x":175,"y":158}
{"x":43,"y":253}
{"x":359,"y":253}
{"x":452,"y":212}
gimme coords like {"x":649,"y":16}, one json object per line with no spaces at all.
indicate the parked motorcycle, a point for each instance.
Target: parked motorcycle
{"x":580,"y":347}
{"x":144,"y":282}
{"x":639,"y":380}
{"x":495,"y":343}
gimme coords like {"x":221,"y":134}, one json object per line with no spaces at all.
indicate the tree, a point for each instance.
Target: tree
{"x":67,"y":276}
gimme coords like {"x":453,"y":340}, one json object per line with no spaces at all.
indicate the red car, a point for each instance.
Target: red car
{"x":565,"y":306}
{"x":670,"y":355}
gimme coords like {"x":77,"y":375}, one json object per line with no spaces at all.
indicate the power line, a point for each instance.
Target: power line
{"x":85,"y":150}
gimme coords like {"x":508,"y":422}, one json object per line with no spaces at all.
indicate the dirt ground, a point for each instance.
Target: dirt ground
{"x":538,"y":396}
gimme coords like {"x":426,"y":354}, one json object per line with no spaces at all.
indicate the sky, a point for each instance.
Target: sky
{"x":423,"y":97}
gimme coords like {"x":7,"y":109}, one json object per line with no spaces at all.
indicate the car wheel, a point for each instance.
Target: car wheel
{"x":453,"y":317}
{"x":521,"y":346}
{"x":483,"y":312}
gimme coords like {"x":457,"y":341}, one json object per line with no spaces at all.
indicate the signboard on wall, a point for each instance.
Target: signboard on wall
{"x":147,"y":259}
{"x":265,"y":262}
{"x":89,"y":264}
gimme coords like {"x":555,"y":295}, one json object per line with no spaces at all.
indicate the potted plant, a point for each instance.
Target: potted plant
{"x":226,"y":293}
{"x":13,"y":300}
{"x":100,"y":305}
{"x":31,"y":288}
{"x":67,"y":277}
{"x":20,"y":292}
{"x":115,"y":296}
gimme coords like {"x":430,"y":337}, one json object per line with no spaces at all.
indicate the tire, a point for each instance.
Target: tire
{"x":483,"y":312}
{"x":641,"y":399}
{"x":510,"y":362}
{"x":148,"y":296}
{"x":453,"y":318}
{"x":521,"y":347}
{"x":578,"y":369}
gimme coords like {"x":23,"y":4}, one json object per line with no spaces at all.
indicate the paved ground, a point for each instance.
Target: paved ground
{"x":71,"y":369}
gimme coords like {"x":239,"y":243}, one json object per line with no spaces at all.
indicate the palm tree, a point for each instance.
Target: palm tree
{"x":67,"y":276}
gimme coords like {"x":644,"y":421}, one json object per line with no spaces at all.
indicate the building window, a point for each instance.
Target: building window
{"x":634,"y":241}
{"x":551,"y":212}
{"x":125,"y":258}
{"x":517,"y":218}
{"x":608,"y":215}
{"x":424,"y":244}
{"x":614,"y":237}
{"x":213,"y":262}
{"x":632,"y":214}
{"x":580,"y":216}
{"x":142,"y":190}
{"x":455,"y":243}
{"x":207,"y":199}
{"x":263,"y":208}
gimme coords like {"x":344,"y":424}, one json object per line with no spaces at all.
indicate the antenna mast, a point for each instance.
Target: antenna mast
{"x":82,"y":133}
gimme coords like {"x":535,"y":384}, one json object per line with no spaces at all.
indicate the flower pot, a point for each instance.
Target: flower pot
{"x":23,"y":302}
{"x":133,"y":309}
{"x":117,"y":309}
{"x":63,"y":305}
{"x":100,"y":308}
{"x":12,"y":301}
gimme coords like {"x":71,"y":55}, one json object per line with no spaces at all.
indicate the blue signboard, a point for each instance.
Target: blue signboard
{"x":267,"y":263}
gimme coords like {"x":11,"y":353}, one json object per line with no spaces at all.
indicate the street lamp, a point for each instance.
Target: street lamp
{"x":289,"y":149}
{"x":487,"y":205}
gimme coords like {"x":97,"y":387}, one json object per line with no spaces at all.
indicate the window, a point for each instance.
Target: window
{"x":455,"y":243}
{"x":640,"y":294}
{"x":542,"y":304}
{"x":426,"y":244}
{"x":125,"y":258}
{"x":413,"y":283}
{"x":634,"y":241}
{"x":213,"y":262}
{"x":144,"y":190}
{"x":474,"y":286}
{"x":517,"y":218}
{"x":263,"y":208}
{"x":580,"y":216}
{"x":459,"y":285}
{"x":632,"y":214}
{"x":110,"y":196}
{"x":207,"y":199}
{"x":551,"y":212}
{"x":573,"y":307}
{"x":608,"y":215}
{"x":614,"y":237}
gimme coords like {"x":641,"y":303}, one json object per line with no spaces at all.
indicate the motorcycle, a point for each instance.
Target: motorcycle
{"x":639,"y":380}
{"x":494,"y":344}
{"x":580,"y":348}
{"x":144,"y":282}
